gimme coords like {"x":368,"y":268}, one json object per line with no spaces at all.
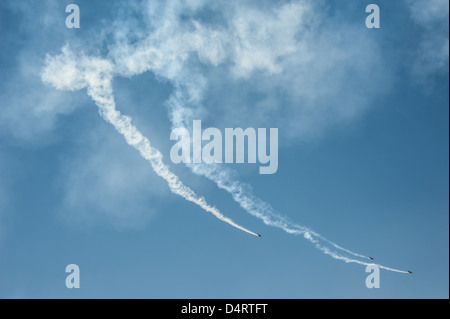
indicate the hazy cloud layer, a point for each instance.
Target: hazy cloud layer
{"x":108,"y":181}
{"x":30,"y":109}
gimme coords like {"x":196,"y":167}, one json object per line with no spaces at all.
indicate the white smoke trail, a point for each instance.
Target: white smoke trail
{"x":335,"y":255}
{"x":65,"y":72}
{"x":263,"y":211}
{"x":165,"y":52}
{"x":182,"y":116}
{"x":185,"y":104}
{"x":242,"y":194}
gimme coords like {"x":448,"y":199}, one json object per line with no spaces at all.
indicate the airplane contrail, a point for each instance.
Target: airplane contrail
{"x":96,"y":75}
{"x":223,"y":177}
{"x":165,"y":53}
{"x":264,"y":211}
{"x":189,"y":90}
{"x":335,"y":255}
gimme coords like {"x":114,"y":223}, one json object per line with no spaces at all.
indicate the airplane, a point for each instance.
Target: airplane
{"x":370,"y":258}
{"x":410,"y":272}
{"x":258,"y":235}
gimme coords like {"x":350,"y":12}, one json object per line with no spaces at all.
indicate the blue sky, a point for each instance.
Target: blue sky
{"x":363,"y":148}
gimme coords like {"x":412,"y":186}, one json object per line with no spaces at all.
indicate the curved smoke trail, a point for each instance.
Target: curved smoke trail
{"x":67,"y":72}
{"x":241,"y":193}
{"x":165,"y":52}
{"x":263,"y":211}
{"x":226,"y":179}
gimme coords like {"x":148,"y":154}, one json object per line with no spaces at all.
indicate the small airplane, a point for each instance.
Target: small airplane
{"x":258,"y":235}
{"x":370,"y":258}
{"x":410,"y":272}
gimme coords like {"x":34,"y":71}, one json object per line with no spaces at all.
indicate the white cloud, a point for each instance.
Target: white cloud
{"x":32,"y":116}
{"x":276,"y":65}
{"x":29,"y":109}
{"x":261,"y":39}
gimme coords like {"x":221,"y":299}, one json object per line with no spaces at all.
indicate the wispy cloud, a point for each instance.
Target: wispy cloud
{"x":29,"y":109}
{"x":433,"y":50}
{"x":99,"y":188}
